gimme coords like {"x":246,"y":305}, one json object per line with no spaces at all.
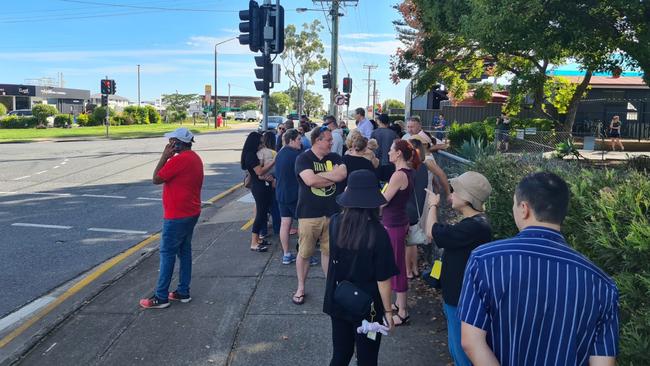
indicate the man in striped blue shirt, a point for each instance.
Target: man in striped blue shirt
{"x":532,"y":299}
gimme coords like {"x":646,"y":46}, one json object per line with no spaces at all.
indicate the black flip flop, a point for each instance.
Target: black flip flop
{"x":260,"y":248}
{"x":263,"y":243}
{"x":403,"y":321}
{"x":299,"y":302}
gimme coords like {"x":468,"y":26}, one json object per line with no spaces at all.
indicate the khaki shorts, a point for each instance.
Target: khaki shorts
{"x":309,"y":232}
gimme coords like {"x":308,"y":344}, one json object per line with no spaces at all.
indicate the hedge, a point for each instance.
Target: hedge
{"x":3,"y":109}
{"x":608,"y":221}
{"x":18,"y":122}
{"x":460,"y":132}
{"x":82,"y":120}
{"x":62,"y":120}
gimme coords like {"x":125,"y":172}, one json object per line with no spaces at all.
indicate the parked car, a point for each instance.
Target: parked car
{"x":21,"y":112}
{"x":293,"y":117}
{"x":274,"y":121}
{"x":240,"y":116}
{"x":253,"y":116}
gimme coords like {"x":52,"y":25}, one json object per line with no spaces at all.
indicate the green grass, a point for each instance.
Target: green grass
{"x":115,"y":132}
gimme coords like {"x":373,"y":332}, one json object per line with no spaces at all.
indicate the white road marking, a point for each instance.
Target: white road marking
{"x":102,"y":196}
{"x":50,"y":194}
{"x":27,"y":176}
{"x":49,"y":348}
{"x":64,"y":163}
{"x":149,"y":199}
{"x":104,"y":230}
{"x":56,"y":167}
{"x":41,"y":172}
{"x":25,"y":312}
{"x":7,"y":192}
{"x":24,"y":224}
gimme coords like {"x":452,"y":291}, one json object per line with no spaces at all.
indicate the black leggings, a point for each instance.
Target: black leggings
{"x":344,"y":337}
{"x":263,"y":198}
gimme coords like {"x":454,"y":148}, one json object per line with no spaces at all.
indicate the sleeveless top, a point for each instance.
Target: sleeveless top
{"x":394,"y":214}
{"x":420,"y":182}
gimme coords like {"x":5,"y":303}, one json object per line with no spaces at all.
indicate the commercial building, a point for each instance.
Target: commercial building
{"x":17,"y":96}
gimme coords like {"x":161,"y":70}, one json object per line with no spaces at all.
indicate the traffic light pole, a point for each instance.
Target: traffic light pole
{"x":107,"y":116}
{"x":335,"y":56}
{"x":267,"y":55}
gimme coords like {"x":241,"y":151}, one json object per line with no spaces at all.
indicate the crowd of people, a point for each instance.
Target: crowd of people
{"x":366,"y":197}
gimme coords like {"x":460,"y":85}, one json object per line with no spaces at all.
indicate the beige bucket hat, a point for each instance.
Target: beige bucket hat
{"x":472,"y":187}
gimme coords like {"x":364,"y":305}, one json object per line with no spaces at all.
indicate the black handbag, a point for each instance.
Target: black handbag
{"x":353,"y":303}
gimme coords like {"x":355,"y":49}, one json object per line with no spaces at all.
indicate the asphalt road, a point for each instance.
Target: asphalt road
{"x":67,"y":206}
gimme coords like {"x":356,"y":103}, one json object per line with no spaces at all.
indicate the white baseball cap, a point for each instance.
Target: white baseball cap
{"x":182,"y":134}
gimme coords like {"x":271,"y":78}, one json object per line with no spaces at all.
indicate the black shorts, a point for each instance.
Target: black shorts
{"x":287,"y":210}
{"x":615,"y":134}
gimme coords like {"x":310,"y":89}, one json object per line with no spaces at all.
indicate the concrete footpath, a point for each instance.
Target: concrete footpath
{"x":241,"y":312}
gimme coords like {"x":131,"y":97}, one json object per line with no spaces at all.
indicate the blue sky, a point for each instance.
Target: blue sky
{"x":86,"y":40}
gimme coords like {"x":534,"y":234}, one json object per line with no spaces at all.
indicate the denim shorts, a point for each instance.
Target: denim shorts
{"x":287,"y":210}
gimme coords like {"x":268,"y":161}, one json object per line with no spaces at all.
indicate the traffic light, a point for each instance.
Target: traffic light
{"x":113,"y":87}
{"x":104,"y":100}
{"x":252,"y":27}
{"x":107,"y":86}
{"x":327,"y":81}
{"x":276,"y":45}
{"x":347,"y":98}
{"x":264,"y":72}
{"x":347,"y":85}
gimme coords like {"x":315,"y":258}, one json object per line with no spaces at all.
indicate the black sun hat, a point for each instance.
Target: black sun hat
{"x":362,"y":191}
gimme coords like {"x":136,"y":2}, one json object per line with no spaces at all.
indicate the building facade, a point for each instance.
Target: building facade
{"x":66,"y":100}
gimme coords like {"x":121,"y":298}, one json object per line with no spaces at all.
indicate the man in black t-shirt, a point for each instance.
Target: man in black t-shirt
{"x":318,"y":171}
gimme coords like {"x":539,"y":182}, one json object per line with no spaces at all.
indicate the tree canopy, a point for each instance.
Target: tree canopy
{"x":393,"y":104}
{"x":249,"y":106}
{"x":279,"y":103}
{"x":303,"y":56}
{"x":179,"y":102}
{"x":312,"y":101}
{"x":461,"y":41}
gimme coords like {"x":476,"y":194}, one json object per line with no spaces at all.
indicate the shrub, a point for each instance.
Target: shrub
{"x":3,"y":109}
{"x":98,"y":117}
{"x":18,"y":122}
{"x":135,"y":115}
{"x":62,"y":120}
{"x":566,"y":148}
{"x":476,"y":148}
{"x":82,"y":120}
{"x":465,"y":131}
{"x":176,"y":116}
{"x":119,"y":120}
{"x":42,"y":111}
{"x":154,"y":116}
{"x":608,"y":221}
{"x":639,"y":163}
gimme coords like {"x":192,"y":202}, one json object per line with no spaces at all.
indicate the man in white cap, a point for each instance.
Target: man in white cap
{"x":180,"y":170}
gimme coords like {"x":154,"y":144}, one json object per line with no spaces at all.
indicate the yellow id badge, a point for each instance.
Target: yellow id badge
{"x":328,"y":166}
{"x":436,"y":269}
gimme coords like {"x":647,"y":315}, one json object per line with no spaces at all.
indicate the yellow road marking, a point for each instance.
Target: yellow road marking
{"x":248,"y":224}
{"x":94,"y":275}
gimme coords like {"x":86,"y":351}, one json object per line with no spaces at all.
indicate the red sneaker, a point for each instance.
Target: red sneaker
{"x":154,"y":303}
{"x":175,"y":296}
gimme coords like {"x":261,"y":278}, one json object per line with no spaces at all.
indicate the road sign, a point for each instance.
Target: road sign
{"x":340,"y":99}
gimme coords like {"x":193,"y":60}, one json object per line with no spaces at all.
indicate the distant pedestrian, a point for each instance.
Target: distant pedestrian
{"x":470,"y":192}
{"x":260,"y":187}
{"x":278,"y":138}
{"x":503,"y":132}
{"x":534,"y":300}
{"x":363,"y":124}
{"x":354,"y":159}
{"x":180,"y":171}
{"x":318,"y":171}
{"x":337,"y":134}
{"x":303,"y":129}
{"x":385,"y":137}
{"x":286,"y":189}
{"x":395,"y":218}
{"x":361,"y":253}
{"x":615,"y":133}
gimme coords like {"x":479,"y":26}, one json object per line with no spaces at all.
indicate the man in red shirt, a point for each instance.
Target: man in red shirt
{"x":180,"y":170}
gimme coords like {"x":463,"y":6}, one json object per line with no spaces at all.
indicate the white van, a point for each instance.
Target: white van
{"x":253,"y":116}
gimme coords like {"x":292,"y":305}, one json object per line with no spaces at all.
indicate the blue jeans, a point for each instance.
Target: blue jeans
{"x":176,"y":241}
{"x":275,"y":219}
{"x":453,"y":332}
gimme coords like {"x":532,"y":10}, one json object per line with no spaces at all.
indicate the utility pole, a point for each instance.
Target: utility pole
{"x":370,"y":68}
{"x":107,"y":116}
{"x":138,"y":85}
{"x":334,"y":60}
{"x":374,"y":98}
{"x":228,"y":97}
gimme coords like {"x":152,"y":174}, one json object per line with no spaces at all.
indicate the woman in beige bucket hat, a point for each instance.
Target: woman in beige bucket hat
{"x":468,"y":195}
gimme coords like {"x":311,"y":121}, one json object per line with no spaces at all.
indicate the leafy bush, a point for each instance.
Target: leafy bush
{"x":98,"y":117}
{"x":175,"y":116}
{"x":640,"y":163}
{"x":566,"y":148}
{"x":18,"y":122}
{"x":608,"y":221}
{"x":62,"y":120}
{"x":82,"y":120}
{"x":154,"y":116}
{"x":541,"y":124}
{"x":3,"y":109}
{"x":42,"y":111}
{"x":458,"y":133}
{"x":120,"y":120}
{"x":134,"y":115}
{"x":476,"y":148}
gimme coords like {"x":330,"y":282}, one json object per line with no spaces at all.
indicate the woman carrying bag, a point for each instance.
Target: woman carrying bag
{"x":358,"y":289}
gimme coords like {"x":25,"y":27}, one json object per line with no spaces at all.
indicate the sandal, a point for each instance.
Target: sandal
{"x":260,"y":248}
{"x":403,"y":321}
{"x":394,"y":307}
{"x":263,"y":243}
{"x":300,"y":299}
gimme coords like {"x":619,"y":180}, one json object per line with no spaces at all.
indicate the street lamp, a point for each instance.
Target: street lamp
{"x":214,"y":110}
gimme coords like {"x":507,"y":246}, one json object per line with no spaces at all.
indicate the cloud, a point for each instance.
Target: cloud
{"x":153,"y":69}
{"x":367,"y":35}
{"x":374,"y":48}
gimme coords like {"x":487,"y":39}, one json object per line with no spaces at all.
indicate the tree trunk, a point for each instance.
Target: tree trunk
{"x":567,"y":126}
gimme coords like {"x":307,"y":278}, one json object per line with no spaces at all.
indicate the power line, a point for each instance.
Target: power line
{"x":148,"y":7}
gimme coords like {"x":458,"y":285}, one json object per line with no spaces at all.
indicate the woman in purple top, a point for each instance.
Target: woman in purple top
{"x":396,"y":220}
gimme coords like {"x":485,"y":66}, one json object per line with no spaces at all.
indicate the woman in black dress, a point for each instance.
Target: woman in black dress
{"x":615,"y":133}
{"x":361,"y":253}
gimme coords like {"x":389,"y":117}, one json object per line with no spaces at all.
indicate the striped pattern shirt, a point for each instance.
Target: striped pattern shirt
{"x":540,"y":301}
